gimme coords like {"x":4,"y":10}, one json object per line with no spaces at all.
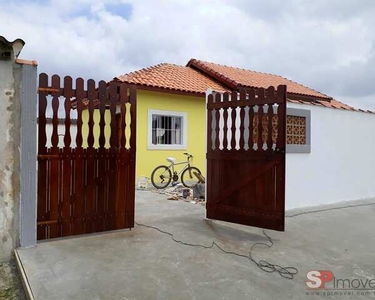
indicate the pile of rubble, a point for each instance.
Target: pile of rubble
{"x":193,"y":195}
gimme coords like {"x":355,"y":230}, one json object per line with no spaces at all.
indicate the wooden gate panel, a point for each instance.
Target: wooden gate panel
{"x":246,"y":157}
{"x":87,"y":188}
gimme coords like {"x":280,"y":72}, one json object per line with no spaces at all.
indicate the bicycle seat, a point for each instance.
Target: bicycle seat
{"x":172,"y":160}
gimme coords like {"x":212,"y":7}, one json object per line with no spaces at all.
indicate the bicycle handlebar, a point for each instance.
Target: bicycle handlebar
{"x":188,"y":155}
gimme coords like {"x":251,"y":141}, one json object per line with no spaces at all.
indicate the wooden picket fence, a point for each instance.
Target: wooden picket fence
{"x":90,"y":187}
{"x":246,"y":157}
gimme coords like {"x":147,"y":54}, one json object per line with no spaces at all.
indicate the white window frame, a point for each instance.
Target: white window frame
{"x":184,"y":129}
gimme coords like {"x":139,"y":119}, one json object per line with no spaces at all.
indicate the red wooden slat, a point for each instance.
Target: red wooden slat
{"x":42,"y":198}
{"x":42,"y":164}
{"x":270,"y":96}
{"x":210,"y":99}
{"x":112,"y":201}
{"x":67,"y":170}
{"x":225,"y":116}
{"x":233,"y":116}
{"x":113,"y":168}
{"x":122,"y":188}
{"x":113,"y":97}
{"x":68,"y":94}
{"x":79,"y":97}
{"x":55,"y":109}
{"x":217,"y":120}
{"x":251,"y":119}
{"x":91,"y":97}
{"x":260,"y":119}
{"x":103,"y":100}
{"x":79,"y":191}
{"x":251,"y":128}
{"x":122,"y":123}
{"x":54,"y":213}
{"x":42,"y":136}
{"x":60,"y":187}
{"x":96,"y":192}
{"x":270,"y":198}
{"x":101,"y":175}
{"x":90,"y":191}
{"x":242,"y":120}
{"x":122,"y":180}
{"x":90,"y":163}
{"x":281,"y":144}
{"x":48,"y":202}
{"x":280,"y":188}
{"x":133,"y":119}
{"x":131,"y":160}
{"x":106,"y":190}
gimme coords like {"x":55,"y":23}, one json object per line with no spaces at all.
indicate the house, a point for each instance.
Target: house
{"x":170,"y":114}
{"x":328,"y":142}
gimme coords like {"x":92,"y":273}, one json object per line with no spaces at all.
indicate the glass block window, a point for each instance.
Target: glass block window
{"x":295,"y":130}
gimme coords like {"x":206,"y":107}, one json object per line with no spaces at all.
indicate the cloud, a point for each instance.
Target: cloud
{"x":326,"y":45}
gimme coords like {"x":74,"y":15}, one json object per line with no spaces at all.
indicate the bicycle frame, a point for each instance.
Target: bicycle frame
{"x":187,"y":165}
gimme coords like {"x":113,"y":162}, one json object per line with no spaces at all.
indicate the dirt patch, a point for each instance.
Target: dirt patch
{"x":10,"y":284}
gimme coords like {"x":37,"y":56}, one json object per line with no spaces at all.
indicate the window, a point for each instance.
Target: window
{"x":167,"y":129}
{"x":298,"y":131}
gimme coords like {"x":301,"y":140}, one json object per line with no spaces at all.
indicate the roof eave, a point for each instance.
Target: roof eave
{"x":307,"y":98}
{"x":161,"y":89}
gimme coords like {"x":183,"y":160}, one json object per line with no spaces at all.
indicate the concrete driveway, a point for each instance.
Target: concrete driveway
{"x":146,"y":264}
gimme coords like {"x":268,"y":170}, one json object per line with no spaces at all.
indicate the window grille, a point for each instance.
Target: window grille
{"x":295,"y":130}
{"x":167,"y":130}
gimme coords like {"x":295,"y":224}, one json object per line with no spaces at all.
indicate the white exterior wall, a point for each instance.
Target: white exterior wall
{"x":341,"y":165}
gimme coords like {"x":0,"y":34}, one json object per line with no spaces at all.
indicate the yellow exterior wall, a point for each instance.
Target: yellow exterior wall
{"x":85,"y":128}
{"x":147,"y":159}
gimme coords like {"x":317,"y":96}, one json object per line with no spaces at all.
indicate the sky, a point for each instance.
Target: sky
{"x":326,"y":45}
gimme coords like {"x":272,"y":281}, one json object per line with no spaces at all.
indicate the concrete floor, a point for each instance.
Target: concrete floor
{"x":146,"y":264}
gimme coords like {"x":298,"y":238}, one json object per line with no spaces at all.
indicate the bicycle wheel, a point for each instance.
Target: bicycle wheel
{"x":188,"y":178}
{"x":161,"y":177}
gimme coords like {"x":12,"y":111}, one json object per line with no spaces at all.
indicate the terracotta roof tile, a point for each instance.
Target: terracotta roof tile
{"x":241,"y":77}
{"x":198,"y":76}
{"x":172,"y":77}
{"x":331,"y":104}
{"x":26,"y":62}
